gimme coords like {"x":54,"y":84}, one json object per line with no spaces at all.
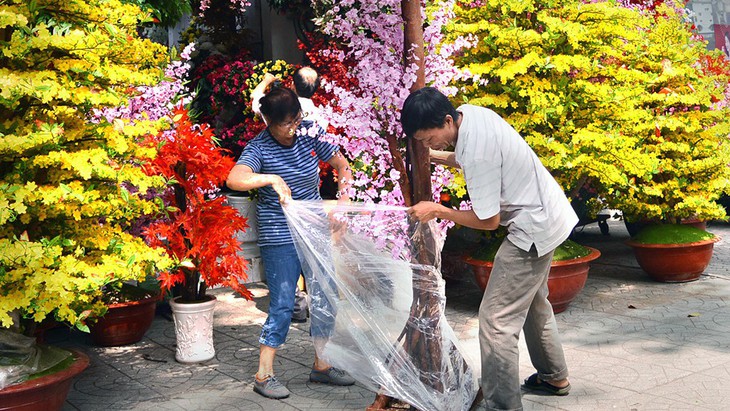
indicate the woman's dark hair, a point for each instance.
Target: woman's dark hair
{"x":424,"y":109}
{"x":279,"y":105}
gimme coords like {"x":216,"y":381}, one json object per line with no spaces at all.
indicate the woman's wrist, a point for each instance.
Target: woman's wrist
{"x":343,"y":192}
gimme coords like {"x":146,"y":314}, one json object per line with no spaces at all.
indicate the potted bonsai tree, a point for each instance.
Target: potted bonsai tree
{"x":626,"y":100}
{"x":549,"y":80}
{"x":568,"y":271}
{"x":131,"y":308}
{"x":199,"y":233}
{"x":65,"y":180}
{"x":553,"y":70}
{"x":682,"y":123}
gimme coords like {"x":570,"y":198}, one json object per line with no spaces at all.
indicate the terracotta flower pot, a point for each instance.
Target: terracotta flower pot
{"x":673,"y":263}
{"x":566,"y":279}
{"x":124,"y":323}
{"x":47,"y":393}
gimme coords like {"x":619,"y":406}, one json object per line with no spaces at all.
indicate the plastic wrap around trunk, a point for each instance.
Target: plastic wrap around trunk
{"x":376,"y":282}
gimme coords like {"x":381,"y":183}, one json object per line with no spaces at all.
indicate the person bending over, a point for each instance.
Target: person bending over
{"x":508,"y":186}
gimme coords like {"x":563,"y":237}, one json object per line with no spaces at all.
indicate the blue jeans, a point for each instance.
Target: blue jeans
{"x":282,"y":268}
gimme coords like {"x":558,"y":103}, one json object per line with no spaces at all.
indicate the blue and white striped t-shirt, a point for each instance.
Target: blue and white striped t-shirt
{"x":297,"y":164}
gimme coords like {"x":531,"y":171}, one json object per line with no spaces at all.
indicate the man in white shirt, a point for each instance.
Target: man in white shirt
{"x":306,"y":83}
{"x":508,"y":186}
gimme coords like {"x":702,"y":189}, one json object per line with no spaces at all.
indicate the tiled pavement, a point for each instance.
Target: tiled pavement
{"x":631,"y":344}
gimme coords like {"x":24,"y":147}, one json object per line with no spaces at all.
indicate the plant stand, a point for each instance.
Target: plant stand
{"x":250,"y":251}
{"x":193,"y":330}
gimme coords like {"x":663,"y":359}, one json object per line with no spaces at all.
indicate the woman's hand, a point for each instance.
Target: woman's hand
{"x":281,"y":188}
{"x":338,"y":224}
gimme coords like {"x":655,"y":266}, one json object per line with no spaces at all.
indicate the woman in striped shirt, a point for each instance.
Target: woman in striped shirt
{"x":282,"y":162}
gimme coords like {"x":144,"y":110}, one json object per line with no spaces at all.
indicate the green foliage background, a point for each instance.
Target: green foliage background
{"x":612,"y":99}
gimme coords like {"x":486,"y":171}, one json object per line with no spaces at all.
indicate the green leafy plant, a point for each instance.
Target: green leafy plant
{"x":671,"y":234}
{"x":70,"y":185}
{"x":567,"y":250}
{"x":166,"y":12}
{"x":622,"y":101}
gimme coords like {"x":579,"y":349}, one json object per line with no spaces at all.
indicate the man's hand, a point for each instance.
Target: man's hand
{"x":268,"y":78}
{"x":425,"y":211}
{"x":445,"y":158}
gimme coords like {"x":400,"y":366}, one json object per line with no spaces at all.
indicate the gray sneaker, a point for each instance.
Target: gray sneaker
{"x":270,"y":388}
{"x":332,"y":376}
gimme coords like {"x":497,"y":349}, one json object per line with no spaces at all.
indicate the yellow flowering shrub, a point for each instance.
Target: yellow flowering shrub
{"x":609,"y":98}
{"x":71,"y":182}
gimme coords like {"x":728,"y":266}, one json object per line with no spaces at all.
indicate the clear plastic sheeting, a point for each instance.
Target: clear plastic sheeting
{"x":21,"y":357}
{"x":377,"y":292}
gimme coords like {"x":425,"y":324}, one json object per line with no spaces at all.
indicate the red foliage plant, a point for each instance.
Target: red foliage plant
{"x":200,"y":233}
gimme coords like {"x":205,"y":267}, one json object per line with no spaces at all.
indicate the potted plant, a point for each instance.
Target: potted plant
{"x":684,"y":128}
{"x":673,"y":252}
{"x":66,"y":180}
{"x":639,"y":111}
{"x":660,"y":148}
{"x":199,"y":233}
{"x":568,"y":271}
{"x":553,"y":71}
{"x":130,"y":310}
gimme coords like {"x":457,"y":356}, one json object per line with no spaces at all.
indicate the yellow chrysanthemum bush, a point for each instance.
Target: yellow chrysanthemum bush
{"x":683,"y":126}
{"x":70,"y":182}
{"x":582,"y":82}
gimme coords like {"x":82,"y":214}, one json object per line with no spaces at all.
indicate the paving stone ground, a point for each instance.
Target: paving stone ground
{"x":631,"y":344}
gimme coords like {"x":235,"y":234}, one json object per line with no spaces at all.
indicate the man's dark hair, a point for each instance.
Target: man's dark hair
{"x":424,"y":109}
{"x":306,"y":81}
{"x":279,"y":105}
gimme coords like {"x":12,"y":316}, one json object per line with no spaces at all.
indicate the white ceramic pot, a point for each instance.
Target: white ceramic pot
{"x":193,"y":330}
{"x":248,"y":238}
{"x":247,"y":208}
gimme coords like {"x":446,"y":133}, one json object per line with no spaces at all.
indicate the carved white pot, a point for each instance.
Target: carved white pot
{"x":193,"y":330}
{"x":248,"y":237}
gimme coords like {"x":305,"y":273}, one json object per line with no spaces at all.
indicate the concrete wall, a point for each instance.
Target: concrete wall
{"x":278,"y":36}
{"x":710,"y":16}
{"x":272,"y":34}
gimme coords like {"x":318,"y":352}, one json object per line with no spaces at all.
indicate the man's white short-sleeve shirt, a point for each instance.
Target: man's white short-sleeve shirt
{"x":312,"y":112}
{"x":503,"y":175}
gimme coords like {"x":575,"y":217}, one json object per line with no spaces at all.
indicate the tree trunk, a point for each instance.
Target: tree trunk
{"x":424,"y":353}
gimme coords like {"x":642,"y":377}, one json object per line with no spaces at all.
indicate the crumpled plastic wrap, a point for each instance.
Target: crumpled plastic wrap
{"x":21,"y":357}
{"x":376,"y":281}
